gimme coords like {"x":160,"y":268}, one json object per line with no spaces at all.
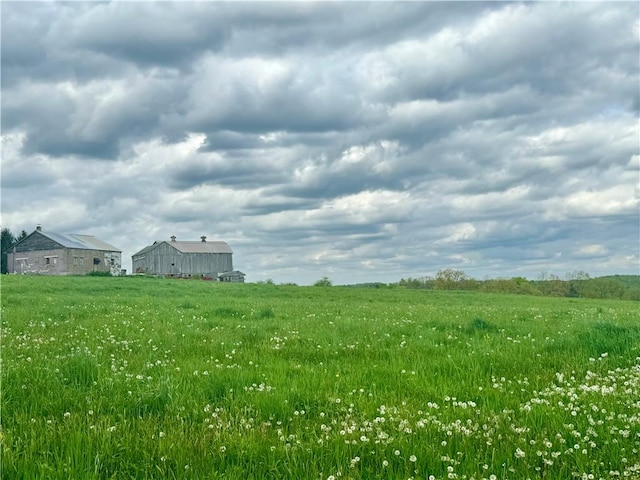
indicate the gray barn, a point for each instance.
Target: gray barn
{"x":50,"y":253}
{"x":184,"y":258}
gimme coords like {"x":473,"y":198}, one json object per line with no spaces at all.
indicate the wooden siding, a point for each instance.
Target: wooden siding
{"x":166,"y":260}
{"x":37,"y":241}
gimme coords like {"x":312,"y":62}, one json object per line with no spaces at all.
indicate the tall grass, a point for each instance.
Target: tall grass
{"x":139,"y":378}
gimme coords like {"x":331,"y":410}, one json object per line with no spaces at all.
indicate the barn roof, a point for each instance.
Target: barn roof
{"x":75,"y":240}
{"x":191,"y":247}
{"x":146,"y":249}
{"x":201,"y":247}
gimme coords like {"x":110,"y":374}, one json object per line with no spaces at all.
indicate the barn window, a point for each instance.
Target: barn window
{"x":47,"y":261}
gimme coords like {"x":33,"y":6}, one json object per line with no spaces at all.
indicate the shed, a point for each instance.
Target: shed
{"x":184,"y":258}
{"x":235,"y":277}
{"x":51,"y":253}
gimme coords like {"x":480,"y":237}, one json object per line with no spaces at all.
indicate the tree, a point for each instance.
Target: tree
{"x":22,"y":236}
{"x":425,"y":282}
{"x":323,"y":282}
{"x":450,"y":279}
{"x":517,"y":285}
{"x":557,"y":287}
{"x":603,"y":288}
{"x":7,"y":240}
{"x":577,"y":280}
{"x":552,"y":285}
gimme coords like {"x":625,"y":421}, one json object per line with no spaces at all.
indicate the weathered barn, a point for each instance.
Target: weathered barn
{"x":50,"y":253}
{"x":184,"y":258}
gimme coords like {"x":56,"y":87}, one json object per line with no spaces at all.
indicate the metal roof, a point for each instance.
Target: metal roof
{"x":191,"y":247}
{"x":231,"y":274}
{"x":84,"y":242}
{"x":201,"y":247}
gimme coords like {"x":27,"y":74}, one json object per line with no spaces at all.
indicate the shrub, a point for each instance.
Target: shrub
{"x":99,"y":274}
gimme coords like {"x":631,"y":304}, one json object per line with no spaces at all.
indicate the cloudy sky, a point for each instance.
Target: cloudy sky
{"x":359,"y":141}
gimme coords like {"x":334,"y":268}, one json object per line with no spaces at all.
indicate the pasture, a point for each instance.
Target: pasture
{"x":139,"y":378}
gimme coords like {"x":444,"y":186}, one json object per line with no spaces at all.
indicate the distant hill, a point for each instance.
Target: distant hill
{"x":624,"y":287}
{"x":629,"y":281}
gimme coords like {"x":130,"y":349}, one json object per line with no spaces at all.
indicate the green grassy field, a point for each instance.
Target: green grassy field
{"x":152,"y":378}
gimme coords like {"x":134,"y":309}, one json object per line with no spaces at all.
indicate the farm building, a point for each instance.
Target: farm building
{"x":187,"y":259}
{"x":50,"y":253}
{"x":235,"y":276}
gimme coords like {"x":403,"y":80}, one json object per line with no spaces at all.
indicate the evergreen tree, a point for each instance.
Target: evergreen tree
{"x":7,"y":240}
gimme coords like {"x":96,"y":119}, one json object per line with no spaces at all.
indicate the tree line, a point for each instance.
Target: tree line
{"x":574,"y":284}
{"x":7,"y":239}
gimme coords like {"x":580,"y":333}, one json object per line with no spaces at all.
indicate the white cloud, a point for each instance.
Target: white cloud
{"x":593,"y":250}
{"x":617,"y":200}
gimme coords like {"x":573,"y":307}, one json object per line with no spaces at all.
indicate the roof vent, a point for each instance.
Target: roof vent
{"x":38,"y":228}
{"x":203,"y":238}
{"x":173,"y":238}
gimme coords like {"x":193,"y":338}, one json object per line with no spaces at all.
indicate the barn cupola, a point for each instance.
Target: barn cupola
{"x":173,"y":238}
{"x":38,"y":228}
{"x":203,"y":238}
